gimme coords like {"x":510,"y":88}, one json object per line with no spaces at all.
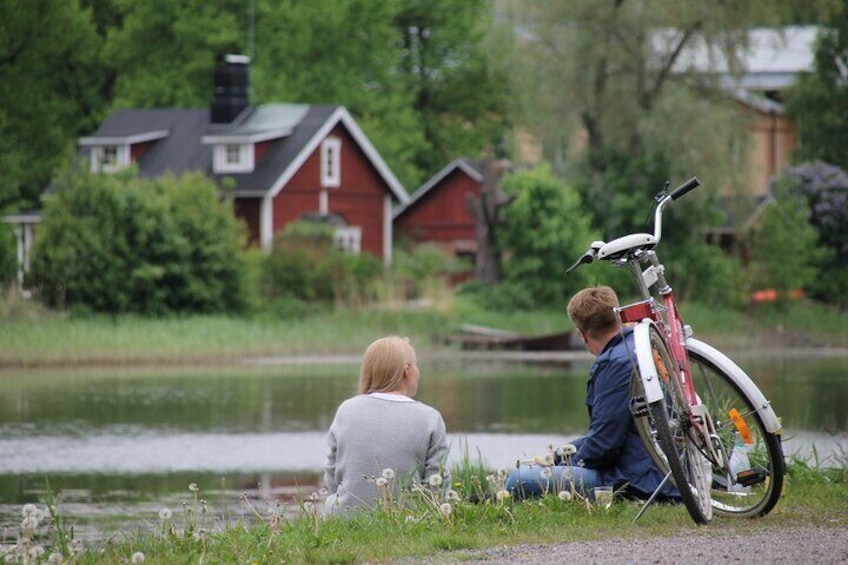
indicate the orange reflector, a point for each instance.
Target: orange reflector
{"x":741,"y":426}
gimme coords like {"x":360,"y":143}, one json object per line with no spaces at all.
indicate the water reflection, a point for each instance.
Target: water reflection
{"x":119,"y":445}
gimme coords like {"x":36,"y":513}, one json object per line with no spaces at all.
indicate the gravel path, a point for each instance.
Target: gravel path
{"x":807,"y":545}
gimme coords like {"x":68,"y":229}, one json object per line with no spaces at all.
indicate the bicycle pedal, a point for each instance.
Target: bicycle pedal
{"x":751,"y":477}
{"x":639,"y":407}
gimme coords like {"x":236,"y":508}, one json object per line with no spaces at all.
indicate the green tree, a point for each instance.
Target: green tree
{"x":120,"y":244}
{"x":545,"y":229}
{"x":784,"y":254}
{"x":821,"y":189}
{"x":50,"y":87}
{"x":818,"y":103}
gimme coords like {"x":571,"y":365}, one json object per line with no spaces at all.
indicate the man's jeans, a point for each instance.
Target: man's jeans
{"x":528,"y":481}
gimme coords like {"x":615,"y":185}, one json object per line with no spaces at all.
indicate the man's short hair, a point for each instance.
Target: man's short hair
{"x":591,"y":310}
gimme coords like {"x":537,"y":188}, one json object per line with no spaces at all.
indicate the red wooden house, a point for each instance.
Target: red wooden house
{"x":284,"y":162}
{"x":438,"y":212}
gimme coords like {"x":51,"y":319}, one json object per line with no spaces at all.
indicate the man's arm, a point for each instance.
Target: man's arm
{"x":610,"y":417}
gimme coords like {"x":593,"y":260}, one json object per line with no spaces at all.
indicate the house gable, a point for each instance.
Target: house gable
{"x":438,"y":211}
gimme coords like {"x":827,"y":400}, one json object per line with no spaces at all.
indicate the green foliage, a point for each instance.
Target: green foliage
{"x":304,"y":266}
{"x":819,"y":190}
{"x":818,"y":102}
{"x":119,"y":244}
{"x":50,"y":91}
{"x":545,"y":228}
{"x":8,"y":255}
{"x":783,"y":251}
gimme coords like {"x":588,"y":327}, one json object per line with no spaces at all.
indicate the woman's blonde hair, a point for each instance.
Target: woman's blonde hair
{"x":384,"y":363}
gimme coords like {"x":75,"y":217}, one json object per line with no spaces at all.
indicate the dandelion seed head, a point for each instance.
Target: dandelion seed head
{"x":568,"y":449}
{"x":452,"y":495}
{"x":35,"y":552}
{"x":55,"y":559}
{"x":546,"y":472}
{"x":446,"y":509}
{"x":137,"y":557}
{"x":29,"y":523}
{"x":193,"y":487}
{"x":502,"y":495}
{"x":502,"y":473}
{"x":165,"y":514}
{"x":381,"y":482}
{"x":30,"y":510}
{"x":435,"y":480}
{"x":490,"y":478}
{"x":564,"y":495}
{"x":388,"y":474}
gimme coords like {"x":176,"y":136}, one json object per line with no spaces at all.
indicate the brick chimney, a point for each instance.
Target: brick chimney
{"x":231,"y":83}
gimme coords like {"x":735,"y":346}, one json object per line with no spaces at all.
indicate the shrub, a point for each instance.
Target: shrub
{"x":119,"y":244}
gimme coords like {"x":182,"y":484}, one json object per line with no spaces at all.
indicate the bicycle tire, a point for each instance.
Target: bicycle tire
{"x":721,"y":393}
{"x":663,"y":429}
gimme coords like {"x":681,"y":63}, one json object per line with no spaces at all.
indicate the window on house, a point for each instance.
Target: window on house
{"x":348,"y":238}
{"x":109,"y":158}
{"x":331,"y":161}
{"x":233,"y":158}
{"x":232,"y":154}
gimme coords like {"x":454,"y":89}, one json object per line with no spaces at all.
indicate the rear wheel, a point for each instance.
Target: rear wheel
{"x":664,"y":429}
{"x":755,"y":486}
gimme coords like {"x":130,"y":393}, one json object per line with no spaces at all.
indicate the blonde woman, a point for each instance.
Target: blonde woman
{"x":382,"y":438}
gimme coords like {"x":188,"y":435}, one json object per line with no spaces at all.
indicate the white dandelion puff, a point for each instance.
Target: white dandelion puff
{"x":452,"y":495}
{"x":435,"y":480}
{"x":165,"y":514}
{"x":564,"y":495}
{"x":193,"y":487}
{"x":381,"y":482}
{"x":546,"y":472}
{"x":137,"y":557}
{"x":55,"y":559}
{"x":446,"y":509}
{"x":568,"y":449}
{"x":388,"y":474}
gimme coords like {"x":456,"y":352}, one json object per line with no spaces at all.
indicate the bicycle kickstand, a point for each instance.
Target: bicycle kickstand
{"x":652,"y":497}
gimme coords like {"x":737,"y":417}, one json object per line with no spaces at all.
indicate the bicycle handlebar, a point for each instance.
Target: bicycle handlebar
{"x":662,"y":200}
{"x":681,"y":190}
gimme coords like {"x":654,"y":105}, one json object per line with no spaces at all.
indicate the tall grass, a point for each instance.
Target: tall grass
{"x":422,"y":522}
{"x":30,"y":335}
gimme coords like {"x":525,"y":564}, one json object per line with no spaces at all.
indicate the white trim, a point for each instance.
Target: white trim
{"x":266,"y":224}
{"x":245,"y":162}
{"x":331,"y":162}
{"x":93,"y":141}
{"x":323,"y":203}
{"x":246,"y":137}
{"x":97,"y":154}
{"x":387,"y":230}
{"x":341,"y":115}
{"x":461,"y":164}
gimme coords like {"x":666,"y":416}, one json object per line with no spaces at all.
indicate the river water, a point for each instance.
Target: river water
{"x":117,"y":445}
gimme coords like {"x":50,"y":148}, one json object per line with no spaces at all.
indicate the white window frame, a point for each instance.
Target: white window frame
{"x":118,"y":158}
{"x":223,"y":162}
{"x":348,"y":238}
{"x":331,"y":162}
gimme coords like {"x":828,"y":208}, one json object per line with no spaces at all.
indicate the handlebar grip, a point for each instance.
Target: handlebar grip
{"x":690,"y":184}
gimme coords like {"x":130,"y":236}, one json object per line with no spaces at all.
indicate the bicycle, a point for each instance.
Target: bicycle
{"x":704,"y":422}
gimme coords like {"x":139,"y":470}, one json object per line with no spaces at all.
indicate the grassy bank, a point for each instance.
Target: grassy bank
{"x":421,"y":524}
{"x":32,"y":337}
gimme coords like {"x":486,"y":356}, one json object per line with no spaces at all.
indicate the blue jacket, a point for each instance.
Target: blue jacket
{"x":612,"y":445}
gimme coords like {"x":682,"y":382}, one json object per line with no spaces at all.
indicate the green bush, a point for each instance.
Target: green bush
{"x":8,"y":255}
{"x":304,"y":265}
{"x":119,"y":244}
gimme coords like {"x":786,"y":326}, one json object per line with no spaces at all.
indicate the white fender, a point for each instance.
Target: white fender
{"x":645,"y":361}
{"x":741,"y":379}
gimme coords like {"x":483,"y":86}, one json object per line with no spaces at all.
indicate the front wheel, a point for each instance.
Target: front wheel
{"x":749,"y":480}
{"x":664,"y":426}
